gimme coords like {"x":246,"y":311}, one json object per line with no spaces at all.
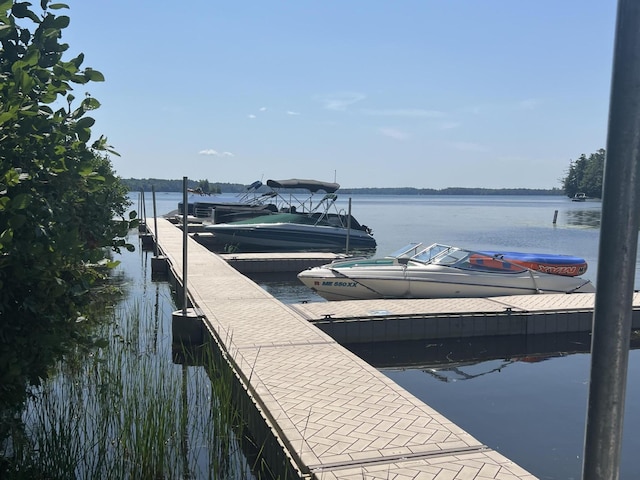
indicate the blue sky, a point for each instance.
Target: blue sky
{"x":373,"y":93}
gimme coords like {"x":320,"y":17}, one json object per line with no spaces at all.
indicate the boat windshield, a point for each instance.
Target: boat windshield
{"x":465,"y":259}
{"x":407,"y":251}
{"x":429,"y":254}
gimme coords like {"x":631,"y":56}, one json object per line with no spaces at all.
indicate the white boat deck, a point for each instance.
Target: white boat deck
{"x":338,"y":417}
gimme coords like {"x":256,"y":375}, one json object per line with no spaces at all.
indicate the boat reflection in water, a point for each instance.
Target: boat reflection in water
{"x":457,"y":359}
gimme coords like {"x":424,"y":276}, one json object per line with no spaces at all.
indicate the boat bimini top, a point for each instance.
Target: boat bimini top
{"x":313,"y":186}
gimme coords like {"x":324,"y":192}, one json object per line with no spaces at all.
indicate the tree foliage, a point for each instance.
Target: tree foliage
{"x":585,"y":175}
{"x":58,"y":191}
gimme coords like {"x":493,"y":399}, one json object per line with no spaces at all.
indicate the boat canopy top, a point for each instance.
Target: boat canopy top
{"x":255,"y":185}
{"x":311,"y":185}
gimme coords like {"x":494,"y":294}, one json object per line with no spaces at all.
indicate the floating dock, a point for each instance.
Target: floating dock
{"x":333,"y":416}
{"x":252,"y":263}
{"x":356,"y":321}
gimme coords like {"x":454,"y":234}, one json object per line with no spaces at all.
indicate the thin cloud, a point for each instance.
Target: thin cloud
{"x":450,"y":125}
{"x":405,"y":112}
{"x":253,"y":116}
{"x":393,"y":133}
{"x":529,"y":104}
{"x":214,"y":153}
{"x":340,"y":101}
{"x":475,"y":109}
{"x":289,"y":112}
{"x":469,"y":147}
{"x":525,"y":104}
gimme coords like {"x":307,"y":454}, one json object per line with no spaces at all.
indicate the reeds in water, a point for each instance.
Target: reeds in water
{"x":127,"y":411}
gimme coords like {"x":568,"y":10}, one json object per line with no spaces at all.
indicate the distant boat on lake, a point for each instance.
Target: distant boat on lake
{"x":579,"y":197}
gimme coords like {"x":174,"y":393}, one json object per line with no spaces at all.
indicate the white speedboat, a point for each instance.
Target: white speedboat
{"x":436,"y":271}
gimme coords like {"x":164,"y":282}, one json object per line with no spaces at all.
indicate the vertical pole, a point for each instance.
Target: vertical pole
{"x":555,"y":216}
{"x":348,"y":227}
{"x":185,"y":237}
{"x":144,"y":207}
{"x":142,"y":227}
{"x":616,"y":256}
{"x":155,"y":221}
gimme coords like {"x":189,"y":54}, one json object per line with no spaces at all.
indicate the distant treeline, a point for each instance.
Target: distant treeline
{"x":453,"y":191}
{"x":161,"y":185}
{"x":146,"y":184}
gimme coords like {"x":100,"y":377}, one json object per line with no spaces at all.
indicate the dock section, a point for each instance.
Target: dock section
{"x":252,"y":263}
{"x":356,"y":321}
{"x":335,"y":416}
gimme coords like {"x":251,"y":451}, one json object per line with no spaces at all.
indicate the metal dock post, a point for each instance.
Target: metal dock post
{"x":618,"y":235}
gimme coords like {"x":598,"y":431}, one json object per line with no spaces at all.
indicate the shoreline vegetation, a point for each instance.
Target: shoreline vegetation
{"x":103,"y":403}
{"x":161,"y":185}
{"x":130,"y":407}
{"x":584,"y":175}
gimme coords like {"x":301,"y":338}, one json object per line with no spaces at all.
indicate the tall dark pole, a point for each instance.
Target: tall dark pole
{"x":155,"y":221}
{"x":348,"y":227}
{"x":144,"y":207}
{"x":185,"y":237}
{"x":617,"y":255}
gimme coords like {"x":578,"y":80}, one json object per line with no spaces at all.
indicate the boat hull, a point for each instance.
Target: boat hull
{"x":434,"y":282}
{"x":290,"y":237}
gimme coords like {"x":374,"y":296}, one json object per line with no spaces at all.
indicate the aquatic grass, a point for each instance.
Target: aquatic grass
{"x":126,"y":410}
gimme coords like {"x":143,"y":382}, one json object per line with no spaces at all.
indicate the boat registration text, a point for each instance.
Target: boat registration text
{"x":336,"y":284}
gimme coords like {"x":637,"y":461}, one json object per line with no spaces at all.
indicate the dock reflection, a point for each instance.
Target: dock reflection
{"x":452,"y":354}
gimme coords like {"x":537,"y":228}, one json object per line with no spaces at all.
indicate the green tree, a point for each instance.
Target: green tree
{"x":585,"y":175}
{"x":58,"y":191}
{"x":593,"y":174}
{"x":207,"y":188}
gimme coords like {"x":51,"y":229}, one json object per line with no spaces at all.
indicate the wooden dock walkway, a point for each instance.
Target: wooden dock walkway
{"x":336,"y":416}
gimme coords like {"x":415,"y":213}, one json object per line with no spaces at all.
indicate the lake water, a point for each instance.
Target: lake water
{"x":531,"y":408}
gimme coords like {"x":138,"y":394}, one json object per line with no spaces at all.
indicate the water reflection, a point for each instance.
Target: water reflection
{"x":468,"y":371}
{"x":583,"y":218}
{"x":454,"y":358}
{"x":286,"y":287}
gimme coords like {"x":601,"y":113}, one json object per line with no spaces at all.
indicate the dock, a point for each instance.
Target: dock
{"x":256,"y":263}
{"x":333,"y":416}
{"x":356,"y":321}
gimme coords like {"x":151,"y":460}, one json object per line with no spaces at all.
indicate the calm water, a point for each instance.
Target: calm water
{"x":530,"y":408}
